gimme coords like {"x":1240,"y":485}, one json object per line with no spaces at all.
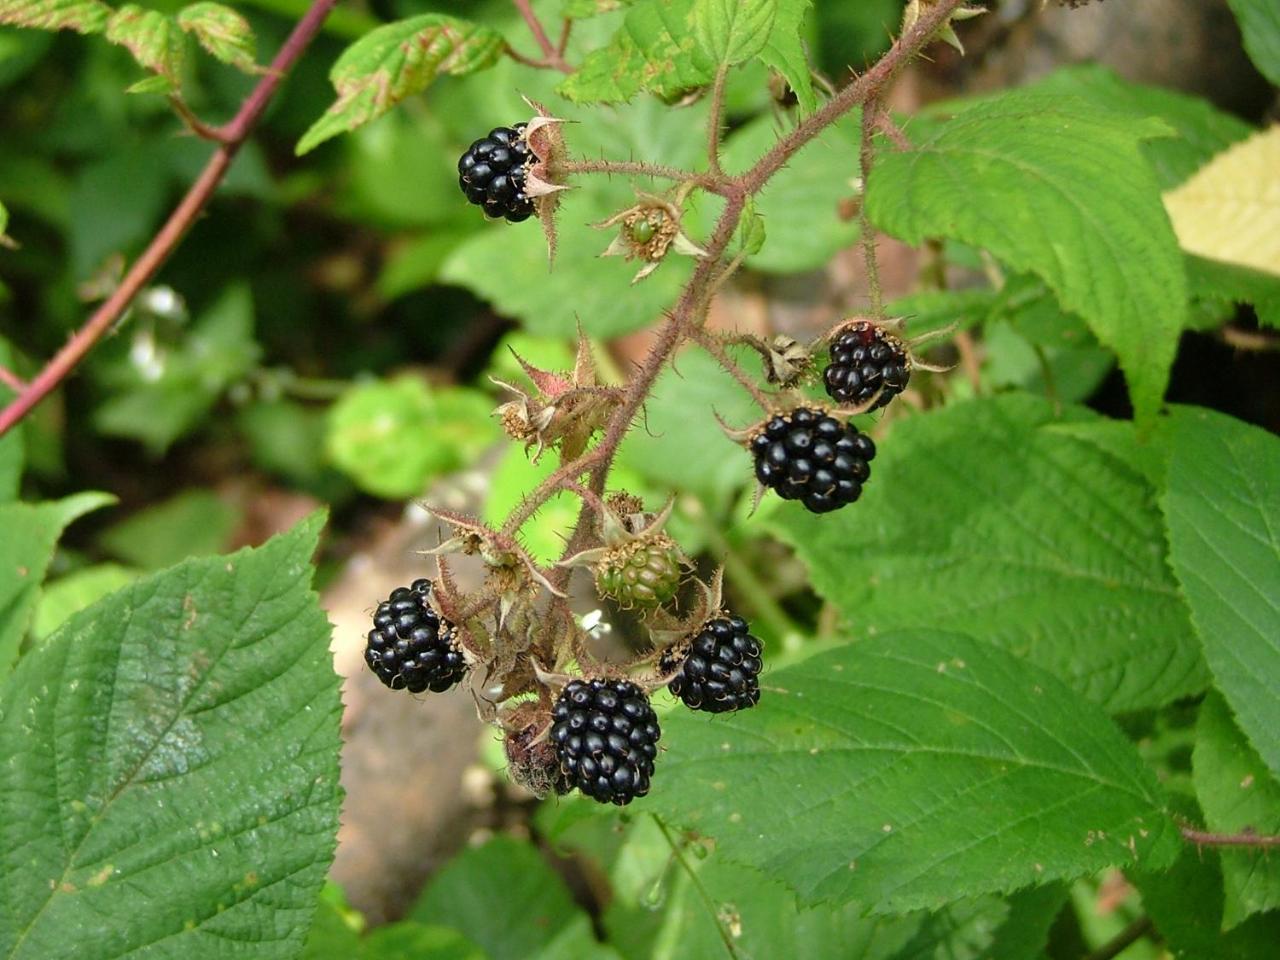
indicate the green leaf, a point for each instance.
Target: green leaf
{"x":515,"y":475}
{"x":153,"y":38}
{"x":1200,"y":131}
{"x":415,"y":941}
{"x":222,"y":32}
{"x":801,"y":205}
{"x":171,"y":781}
{"x":1228,"y":283}
{"x":1222,"y":503}
{"x":396,"y":61}
{"x":391,"y":437}
{"x":31,"y":532}
{"x":82,"y":16}
{"x":655,"y":49}
{"x":1058,"y":187}
{"x":784,"y":51}
{"x":536,"y":908}
{"x":911,"y":769}
{"x":1237,"y":793}
{"x":1260,"y":25}
{"x":732,"y":31}
{"x":987,"y":518}
{"x":70,"y":594}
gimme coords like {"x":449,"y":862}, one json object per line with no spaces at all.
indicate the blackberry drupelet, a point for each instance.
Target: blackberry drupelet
{"x":410,"y":646}
{"x":864,"y":359}
{"x":606,"y":736}
{"x":721,"y":671}
{"x":492,"y":173}
{"x":812,"y":457}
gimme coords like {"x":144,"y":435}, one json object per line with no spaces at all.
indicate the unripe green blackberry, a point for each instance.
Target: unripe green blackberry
{"x":640,"y":573}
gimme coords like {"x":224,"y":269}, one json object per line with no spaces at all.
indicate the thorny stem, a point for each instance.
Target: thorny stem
{"x":866,"y":156}
{"x":885,"y":125}
{"x":231,"y":137}
{"x":685,"y":865}
{"x":716,"y":120}
{"x":638,"y":168}
{"x":551,"y":55}
{"x":1203,"y":838}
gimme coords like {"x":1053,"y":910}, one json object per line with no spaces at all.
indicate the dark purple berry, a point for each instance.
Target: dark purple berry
{"x":865,"y":359}
{"x":812,"y":457}
{"x":492,"y":173}
{"x":721,"y":670}
{"x":411,"y":647}
{"x":606,"y":734}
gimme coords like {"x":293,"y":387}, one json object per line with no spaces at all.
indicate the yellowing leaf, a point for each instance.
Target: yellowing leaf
{"x":154,"y":40}
{"x":1230,"y":210}
{"x":83,"y":16}
{"x":222,"y":32}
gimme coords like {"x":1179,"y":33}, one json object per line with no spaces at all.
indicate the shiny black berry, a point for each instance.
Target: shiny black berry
{"x":812,"y":457}
{"x":865,"y":359}
{"x":721,"y":671}
{"x":492,"y":173}
{"x":606,"y":736}
{"x":410,"y":646}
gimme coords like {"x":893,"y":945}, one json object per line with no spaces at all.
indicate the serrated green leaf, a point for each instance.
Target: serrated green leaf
{"x":70,"y":594}
{"x":1228,"y":283}
{"x":1237,"y":793}
{"x":82,"y":16}
{"x":153,"y":38}
{"x":784,"y":51}
{"x":396,"y":61}
{"x":909,"y":770}
{"x":655,"y":49}
{"x":31,"y":532}
{"x":1200,"y":129}
{"x":987,"y":518}
{"x":391,"y":437}
{"x":1260,"y":26}
{"x":801,"y":204}
{"x":172,"y":775}
{"x":221,"y":31}
{"x":536,"y":906}
{"x":732,"y":31}
{"x":1058,"y":187}
{"x":1222,"y":503}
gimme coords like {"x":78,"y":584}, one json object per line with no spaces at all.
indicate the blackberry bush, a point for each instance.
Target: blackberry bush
{"x":866,"y":362}
{"x":410,"y":646}
{"x":606,"y":736}
{"x":721,"y":669}
{"x":492,"y":173}
{"x":810,"y":456}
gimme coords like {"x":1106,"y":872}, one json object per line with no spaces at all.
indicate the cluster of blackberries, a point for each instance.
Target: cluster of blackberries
{"x":411,"y":647}
{"x":866,"y":362}
{"x":492,"y":173}
{"x":812,"y":457}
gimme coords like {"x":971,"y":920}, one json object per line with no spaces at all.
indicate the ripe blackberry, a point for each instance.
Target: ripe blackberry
{"x":722,"y":669}
{"x":410,"y":646}
{"x":492,"y":173}
{"x":606,"y":736}
{"x":864,"y":359}
{"x":809,"y":456}
{"x":640,"y":573}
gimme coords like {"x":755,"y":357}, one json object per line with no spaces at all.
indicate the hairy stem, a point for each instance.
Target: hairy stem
{"x":712,"y":344}
{"x":231,"y":137}
{"x":1204,"y":838}
{"x":638,"y":168}
{"x":866,"y":156}
{"x":716,"y":120}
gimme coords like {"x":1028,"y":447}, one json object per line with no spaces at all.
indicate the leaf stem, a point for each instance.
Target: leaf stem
{"x":716,"y":119}
{"x":636,"y":168}
{"x":866,"y":157}
{"x":711,"y":343}
{"x":12,"y":380}
{"x":231,"y":136}
{"x":1123,"y":940}
{"x":730,"y":947}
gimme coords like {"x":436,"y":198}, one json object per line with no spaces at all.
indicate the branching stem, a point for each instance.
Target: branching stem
{"x":551,"y":55}
{"x":714,"y":346}
{"x":230,"y":137}
{"x":1204,"y":838}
